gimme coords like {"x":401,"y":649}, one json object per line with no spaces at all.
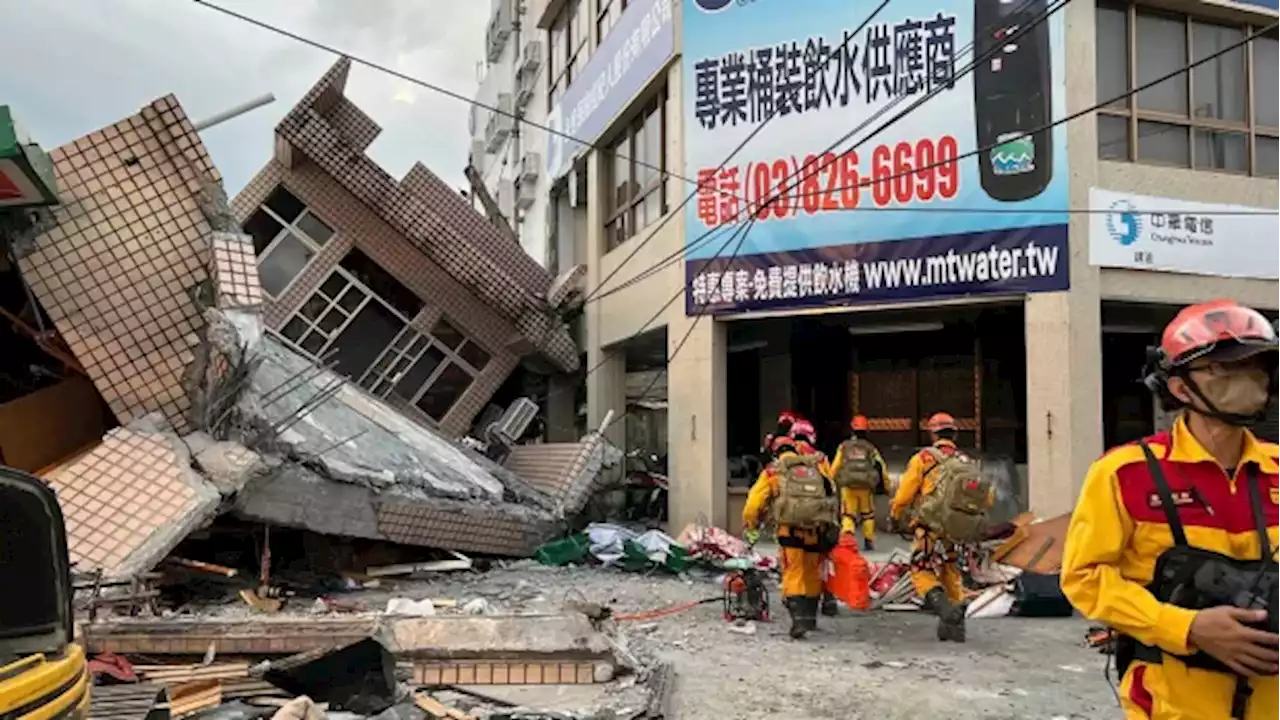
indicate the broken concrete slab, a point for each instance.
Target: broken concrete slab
{"x":229,"y":466}
{"x":130,"y":501}
{"x":259,"y":636}
{"x":567,"y":635}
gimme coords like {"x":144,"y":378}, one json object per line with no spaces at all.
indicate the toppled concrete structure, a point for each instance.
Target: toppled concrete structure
{"x":130,"y":501}
{"x":335,"y":460}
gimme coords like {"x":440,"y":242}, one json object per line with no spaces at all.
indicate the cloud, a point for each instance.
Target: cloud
{"x":111,"y":58}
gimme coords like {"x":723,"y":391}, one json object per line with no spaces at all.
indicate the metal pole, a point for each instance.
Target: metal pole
{"x":236,"y":111}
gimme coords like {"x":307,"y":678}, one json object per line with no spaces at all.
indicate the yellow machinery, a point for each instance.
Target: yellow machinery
{"x":43,"y":672}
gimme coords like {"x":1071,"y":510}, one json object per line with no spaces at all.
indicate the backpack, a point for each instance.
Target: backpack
{"x":858,"y":469}
{"x":803,"y":501}
{"x":956,"y":509}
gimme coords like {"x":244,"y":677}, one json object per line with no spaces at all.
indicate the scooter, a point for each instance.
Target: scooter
{"x":646,"y":486}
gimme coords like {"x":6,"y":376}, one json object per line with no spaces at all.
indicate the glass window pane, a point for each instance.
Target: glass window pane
{"x":418,"y":345}
{"x":475,"y":355}
{"x":364,"y":339}
{"x":1266,"y":156}
{"x":1113,"y":54}
{"x":1216,"y":150}
{"x":263,"y":229}
{"x":294,"y":329}
{"x":1162,"y":49}
{"x":1164,"y":143}
{"x":411,"y":383}
{"x":315,"y":228}
{"x":382,"y":283}
{"x":314,"y":342}
{"x":447,"y":334}
{"x":1113,"y":137}
{"x":621,"y":173}
{"x":334,"y":286}
{"x":332,"y":321}
{"x":313,"y":307}
{"x":279,"y":267}
{"x":352,"y":299}
{"x":1265,"y":81}
{"x":402,"y":342}
{"x":1219,"y":84}
{"x":653,"y":205}
{"x":283,"y":203}
{"x":452,"y":382}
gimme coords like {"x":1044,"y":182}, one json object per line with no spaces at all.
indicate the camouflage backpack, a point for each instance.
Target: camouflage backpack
{"x":858,"y":468}
{"x":802,"y":500}
{"x":956,"y":508}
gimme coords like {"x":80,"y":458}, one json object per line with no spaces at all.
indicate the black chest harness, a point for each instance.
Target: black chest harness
{"x":1198,"y":579}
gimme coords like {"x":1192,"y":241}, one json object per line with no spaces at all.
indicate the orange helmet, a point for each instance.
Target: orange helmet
{"x":782,"y":441}
{"x":941,"y":421}
{"x":1225,"y":328}
{"x":860,"y":423}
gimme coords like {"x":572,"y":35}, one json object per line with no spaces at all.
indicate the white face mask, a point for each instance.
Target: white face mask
{"x":1243,"y":392}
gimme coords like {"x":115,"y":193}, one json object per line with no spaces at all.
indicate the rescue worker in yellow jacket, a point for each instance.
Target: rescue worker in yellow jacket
{"x":802,"y":543}
{"x":934,"y":560}
{"x":857,"y":499}
{"x":806,"y":444}
{"x":1186,"y":649}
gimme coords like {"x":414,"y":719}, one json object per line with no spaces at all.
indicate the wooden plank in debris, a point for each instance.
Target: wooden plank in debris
{"x":188,"y":698}
{"x":437,"y":709}
{"x":457,"y":562}
{"x":1041,"y":550}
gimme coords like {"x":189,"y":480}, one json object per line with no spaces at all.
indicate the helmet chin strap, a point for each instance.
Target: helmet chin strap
{"x":1235,"y":419}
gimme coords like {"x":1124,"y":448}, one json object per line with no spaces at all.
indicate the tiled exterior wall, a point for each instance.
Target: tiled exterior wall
{"x":130,"y":244}
{"x":357,"y":226}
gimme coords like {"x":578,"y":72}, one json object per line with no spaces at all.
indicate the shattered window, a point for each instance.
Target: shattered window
{"x":286,"y":235}
{"x":282,"y":263}
{"x":382,"y":283}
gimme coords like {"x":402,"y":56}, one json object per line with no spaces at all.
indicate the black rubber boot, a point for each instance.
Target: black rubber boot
{"x":950,"y":616}
{"x":803,"y":615}
{"x":868,"y":544}
{"x":829,"y":606}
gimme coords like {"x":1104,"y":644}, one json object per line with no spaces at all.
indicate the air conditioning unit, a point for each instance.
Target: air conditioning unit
{"x":530,"y":167}
{"x":524,"y":91}
{"x":500,"y":26}
{"x":530,"y":58}
{"x":526,"y":195}
{"x":498,"y":129}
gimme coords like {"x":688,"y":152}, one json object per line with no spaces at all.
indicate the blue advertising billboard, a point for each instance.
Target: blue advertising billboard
{"x":912,"y":213}
{"x":636,"y":47}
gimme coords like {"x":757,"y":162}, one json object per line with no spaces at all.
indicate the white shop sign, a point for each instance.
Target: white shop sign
{"x":1142,"y":232}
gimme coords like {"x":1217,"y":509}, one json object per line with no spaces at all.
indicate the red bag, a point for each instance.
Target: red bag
{"x":887,"y":579}
{"x":850,"y":575}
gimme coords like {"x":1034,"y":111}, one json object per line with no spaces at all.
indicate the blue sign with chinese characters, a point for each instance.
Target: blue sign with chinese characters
{"x":964,"y":195}
{"x":635,"y":48}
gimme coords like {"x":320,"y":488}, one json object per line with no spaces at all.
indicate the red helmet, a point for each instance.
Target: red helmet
{"x":860,"y":423}
{"x":802,"y":427}
{"x":941,"y":421}
{"x":782,"y":441}
{"x":1225,"y":328}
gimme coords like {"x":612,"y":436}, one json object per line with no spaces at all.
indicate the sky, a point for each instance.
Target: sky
{"x":74,"y":66}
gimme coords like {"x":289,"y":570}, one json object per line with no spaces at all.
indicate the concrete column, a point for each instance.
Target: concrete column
{"x":606,"y":369}
{"x":562,"y":411}
{"x":1064,"y":330}
{"x":696,"y":422}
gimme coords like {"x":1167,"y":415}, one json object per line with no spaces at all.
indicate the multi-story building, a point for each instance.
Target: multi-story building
{"x":399,"y":284}
{"x":965,"y":258}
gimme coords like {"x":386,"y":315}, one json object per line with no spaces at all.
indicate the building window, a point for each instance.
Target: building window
{"x":1220,"y":116}
{"x":607,"y":14}
{"x":637,"y":174}
{"x":428,"y":371}
{"x":568,"y":40}
{"x":286,"y":235}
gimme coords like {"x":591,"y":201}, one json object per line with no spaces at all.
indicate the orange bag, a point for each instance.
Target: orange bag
{"x":850,"y":577}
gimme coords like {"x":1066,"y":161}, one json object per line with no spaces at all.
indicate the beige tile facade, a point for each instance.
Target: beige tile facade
{"x":419,"y":230}
{"x":117,"y":272}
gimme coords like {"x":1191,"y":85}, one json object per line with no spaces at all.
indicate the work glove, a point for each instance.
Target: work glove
{"x":752,"y":536}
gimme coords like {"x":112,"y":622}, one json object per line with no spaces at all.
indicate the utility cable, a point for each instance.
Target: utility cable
{"x":799,"y":174}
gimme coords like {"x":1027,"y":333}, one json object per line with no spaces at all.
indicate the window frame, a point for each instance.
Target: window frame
{"x":373,"y":383}
{"x":630,"y":135}
{"x":611,"y":10}
{"x":1190,"y":123}
{"x":566,"y":24}
{"x":293,"y":228}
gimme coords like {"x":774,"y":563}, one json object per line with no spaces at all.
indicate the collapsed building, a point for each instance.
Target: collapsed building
{"x":315,"y":370}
